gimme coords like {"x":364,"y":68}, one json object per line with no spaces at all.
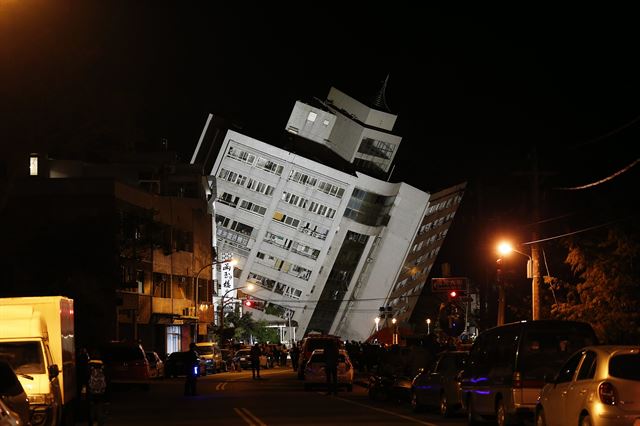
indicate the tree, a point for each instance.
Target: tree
{"x":606,"y":291}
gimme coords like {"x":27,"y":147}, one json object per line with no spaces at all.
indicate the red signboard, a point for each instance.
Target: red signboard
{"x":448,"y":284}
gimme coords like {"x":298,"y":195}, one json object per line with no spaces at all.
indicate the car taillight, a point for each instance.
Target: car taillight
{"x":607,"y":393}
{"x":519,"y":382}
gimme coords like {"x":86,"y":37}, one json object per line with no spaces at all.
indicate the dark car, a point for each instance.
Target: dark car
{"x":12,"y":392}
{"x":508,"y":366}
{"x":126,"y":363}
{"x":242,"y":358}
{"x":176,"y":364}
{"x":438,"y":385}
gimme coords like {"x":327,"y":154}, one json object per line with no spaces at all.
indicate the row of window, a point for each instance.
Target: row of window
{"x":444,"y":204}
{"x":311,"y":181}
{"x":312,"y":206}
{"x":289,"y":244}
{"x":305,"y":227}
{"x":284,"y":266}
{"x":252,"y":160}
{"x":275,"y":286}
{"x":249,"y":183}
{"x":427,"y":226}
{"x":232,"y":201}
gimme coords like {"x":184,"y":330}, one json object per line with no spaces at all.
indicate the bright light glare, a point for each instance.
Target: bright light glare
{"x":505,"y":248}
{"x":250,"y":287}
{"x":377,"y":319}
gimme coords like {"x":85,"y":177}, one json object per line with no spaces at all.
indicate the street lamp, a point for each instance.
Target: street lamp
{"x":428,"y":325}
{"x":377,"y":321}
{"x":248,"y":286}
{"x":505,"y":248}
{"x":196,"y":288}
{"x":395,"y":331}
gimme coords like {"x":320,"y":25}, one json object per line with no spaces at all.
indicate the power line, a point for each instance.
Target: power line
{"x":601,"y":181}
{"x":574,"y":232}
{"x":611,"y":133}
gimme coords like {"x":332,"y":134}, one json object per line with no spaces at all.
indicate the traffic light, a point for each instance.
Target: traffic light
{"x":249,"y":303}
{"x":453,"y":294}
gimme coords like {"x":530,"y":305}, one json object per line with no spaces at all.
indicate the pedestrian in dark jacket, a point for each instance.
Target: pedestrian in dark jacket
{"x":331,"y":355}
{"x":256,"y":352}
{"x":191,"y":365}
{"x":96,"y":390}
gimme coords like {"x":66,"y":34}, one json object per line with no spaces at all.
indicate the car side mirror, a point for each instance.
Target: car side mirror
{"x":53,"y":371}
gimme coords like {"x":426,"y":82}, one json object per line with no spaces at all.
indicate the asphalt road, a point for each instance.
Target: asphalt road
{"x":278,"y":398}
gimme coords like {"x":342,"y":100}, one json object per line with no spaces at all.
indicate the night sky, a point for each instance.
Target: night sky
{"x":475,"y":90}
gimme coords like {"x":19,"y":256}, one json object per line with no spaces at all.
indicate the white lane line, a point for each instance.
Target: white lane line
{"x":254,"y":417}
{"x":402,"y":416}
{"x":244,"y":417}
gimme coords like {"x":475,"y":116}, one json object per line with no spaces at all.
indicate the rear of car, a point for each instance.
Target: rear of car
{"x":599,"y":386}
{"x":211,"y":355}
{"x":315,"y":374}
{"x":310,"y":344}
{"x":126,"y":363}
{"x":439,"y":385}
{"x":177,"y":364}
{"x":156,"y":365}
{"x":243,"y":358}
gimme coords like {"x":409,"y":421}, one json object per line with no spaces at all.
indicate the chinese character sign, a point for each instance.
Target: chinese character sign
{"x":226,"y":279}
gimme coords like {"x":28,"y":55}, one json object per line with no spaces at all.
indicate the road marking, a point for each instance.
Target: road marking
{"x":402,"y":416}
{"x":249,"y":417}
{"x":221,"y":386}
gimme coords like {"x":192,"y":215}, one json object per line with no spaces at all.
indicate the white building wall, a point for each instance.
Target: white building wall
{"x":357,"y":322}
{"x":310,"y":122}
{"x":370,"y":117}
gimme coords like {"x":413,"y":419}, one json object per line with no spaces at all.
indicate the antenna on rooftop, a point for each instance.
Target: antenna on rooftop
{"x":380,"y":101}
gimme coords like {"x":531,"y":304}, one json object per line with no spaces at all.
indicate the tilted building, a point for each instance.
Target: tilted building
{"x":315,"y":224}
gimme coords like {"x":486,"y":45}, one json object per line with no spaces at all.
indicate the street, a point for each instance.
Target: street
{"x":278,"y":398}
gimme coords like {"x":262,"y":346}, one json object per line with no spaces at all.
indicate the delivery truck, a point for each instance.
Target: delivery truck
{"x":37,"y":340}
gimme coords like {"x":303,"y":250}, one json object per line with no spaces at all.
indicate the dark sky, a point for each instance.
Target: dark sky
{"x":475,"y":89}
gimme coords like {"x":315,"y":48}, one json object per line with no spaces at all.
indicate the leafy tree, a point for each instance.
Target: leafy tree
{"x":265,"y":334}
{"x":606,"y":292}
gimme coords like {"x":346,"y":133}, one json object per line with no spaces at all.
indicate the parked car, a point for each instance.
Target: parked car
{"x":242,"y":358}
{"x":176,"y":365}
{"x":439,"y":384}
{"x":210,"y":353}
{"x":508,"y":364}
{"x":315,"y":375}
{"x":311,"y":343}
{"x":156,"y":365}
{"x":126,"y":363}
{"x":389,"y":388}
{"x":8,"y":417}
{"x":12,"y":394}
{"x":598,"y":385}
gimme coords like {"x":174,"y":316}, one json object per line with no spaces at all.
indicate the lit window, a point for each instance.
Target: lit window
{"x":312,"y":116}
{"x":33,"y":165}
{"x":325,"y":122}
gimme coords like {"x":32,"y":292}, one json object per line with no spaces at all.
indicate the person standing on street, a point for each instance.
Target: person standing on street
{"x":255,"y":360}
{"x":295,"y":356}
{"x":96,"y":390}
{"x":191,"y":365}
{"x":331,"y":355}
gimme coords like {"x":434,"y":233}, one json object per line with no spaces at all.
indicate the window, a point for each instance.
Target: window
{"x":33,"y":165}
{"x":302,"y":178}
{"x":228,"y":199}
{"x":569,"y":368}
{"x":588,"y":367}
{"x":240,"y":155}
{"x":325,"y":122}
{"x":269,"y":166}
{"x":287,"y":220}
{"x":312,"y":116}
{"x":253,"y":208}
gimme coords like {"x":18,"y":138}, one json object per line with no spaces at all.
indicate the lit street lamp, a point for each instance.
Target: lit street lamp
{"x":505,"y":248}
{"x":377,"y":321}
{"x":222,"y":302}
{"x":428,"y":325}
{"x":395,"y":331}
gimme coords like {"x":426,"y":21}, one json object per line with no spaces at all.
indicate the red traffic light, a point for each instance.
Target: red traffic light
{"x":248,"y":303}
{"x":453,"y":294}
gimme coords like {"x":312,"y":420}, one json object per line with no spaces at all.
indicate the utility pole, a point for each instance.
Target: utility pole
{"x":535,"y":250}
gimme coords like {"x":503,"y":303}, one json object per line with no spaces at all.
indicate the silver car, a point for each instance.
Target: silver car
{"x":598,"y":385}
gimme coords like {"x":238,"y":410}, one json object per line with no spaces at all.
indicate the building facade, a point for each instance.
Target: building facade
{"x":325,"y":245}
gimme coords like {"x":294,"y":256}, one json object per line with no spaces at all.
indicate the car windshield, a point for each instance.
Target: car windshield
{"x":23,"y":357}
{"x":243,"y":352}
{"x":123,"y":353}
{"x":625,"y":366}
{"x":321,"y":358}
{"x":313,"y":344}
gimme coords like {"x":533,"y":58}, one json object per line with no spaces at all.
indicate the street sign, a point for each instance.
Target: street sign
{"x":449,"y":284}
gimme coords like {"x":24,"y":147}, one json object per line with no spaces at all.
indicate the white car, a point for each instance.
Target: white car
{"x":598,"y":385}
{"x":314,"y":373}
